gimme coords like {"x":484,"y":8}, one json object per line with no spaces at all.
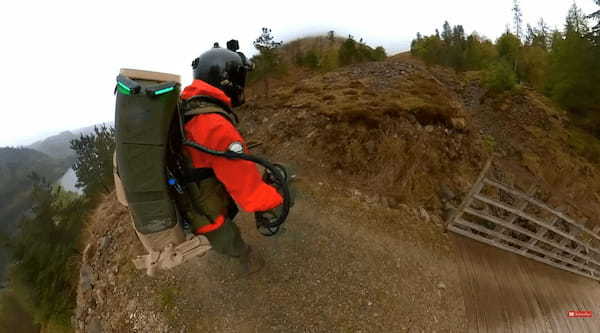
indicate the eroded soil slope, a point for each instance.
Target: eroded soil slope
{"x":382,"y":152}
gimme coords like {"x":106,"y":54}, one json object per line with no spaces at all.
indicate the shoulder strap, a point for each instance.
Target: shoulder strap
{"x":208,"y":110}
{"x":194,"y":107}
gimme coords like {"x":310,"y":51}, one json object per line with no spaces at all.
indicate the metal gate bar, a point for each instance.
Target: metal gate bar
{"x":499,"y":215}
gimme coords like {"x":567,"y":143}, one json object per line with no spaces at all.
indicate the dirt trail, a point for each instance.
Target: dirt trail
{"x":335,"y":269}
{"x":342,"y":264}
{"x":504,"y":292}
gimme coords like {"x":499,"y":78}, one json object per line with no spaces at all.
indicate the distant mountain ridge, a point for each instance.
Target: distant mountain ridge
{"x":58,"y":146}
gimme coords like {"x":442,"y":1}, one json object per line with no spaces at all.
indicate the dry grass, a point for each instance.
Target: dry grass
{"x":395,"y":141}
{"x":106,"y":216}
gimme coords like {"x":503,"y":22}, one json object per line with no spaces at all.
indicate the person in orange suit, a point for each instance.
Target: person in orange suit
{"x":224,"y":184}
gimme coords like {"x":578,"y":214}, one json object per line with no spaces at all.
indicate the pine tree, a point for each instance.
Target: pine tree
{"x":543,"y":35}
{"x":538,"y":36}
{"x":509,"y":46}
{"x":458,"y":47}
{"x":518,"y":19}
{"x":93,"y":166}
{"x":348,"y":52}
{"x":447,"y":33}
{"x":572,"y":81}
{"x":479,"y":52}
{"x":576,"y":21}
{"x":430,"y":49}
{"x":267,"y":62}
{"x":596,"y":16}
{"x":266,"y":41}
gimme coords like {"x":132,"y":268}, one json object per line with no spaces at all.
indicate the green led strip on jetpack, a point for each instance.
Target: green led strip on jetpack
{"x":164,"y":91}
{"x":123,"y":88}
{"x":127,"y":86}
{"x":161,"y":89}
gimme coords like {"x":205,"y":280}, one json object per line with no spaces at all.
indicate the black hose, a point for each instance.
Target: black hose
{"x":272,"y":227}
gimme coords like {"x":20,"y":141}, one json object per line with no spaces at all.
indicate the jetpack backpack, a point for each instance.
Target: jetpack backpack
{"x":146,"y":109}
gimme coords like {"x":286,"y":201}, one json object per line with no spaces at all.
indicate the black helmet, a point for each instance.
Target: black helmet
{"x":224,"y":69}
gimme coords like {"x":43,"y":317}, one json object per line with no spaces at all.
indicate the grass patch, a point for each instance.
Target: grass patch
{"x":537,"y":132}
{"x":167,"y":298}
{"x":531,"y":161}
{"x":584,"y":144}
{"x":489,"y":143}
{"x":412,"y":103}
{"x":474,"y":76}
{"x":429,"y":101}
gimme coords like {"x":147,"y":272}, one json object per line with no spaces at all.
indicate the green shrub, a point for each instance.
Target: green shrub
{"x":45,"y":251}
{"x":585,"y":145}
{"x":348,"y":53}
{"x":352,"y":52}
{"x":310,"y":59}
{"x":509,"y":46}
{"x":93,"y":166}
{"x":329,"y":60}
{"x":533,"y":66}
{"x":500,"y":77}
{"x":379,"y":54}
{"x":430,"y":49}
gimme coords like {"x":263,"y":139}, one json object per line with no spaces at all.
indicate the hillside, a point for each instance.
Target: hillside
{"x":15,"y":187}
{"x":401,"y":129}
{"x":378,"y":148}
{"x":302,"y":46}
{"x":16,"y":164}
{"x":58,"y":146}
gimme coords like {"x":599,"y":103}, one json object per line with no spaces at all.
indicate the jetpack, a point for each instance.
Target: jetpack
{"x":147,"y":118}
{"x":146,"y":104}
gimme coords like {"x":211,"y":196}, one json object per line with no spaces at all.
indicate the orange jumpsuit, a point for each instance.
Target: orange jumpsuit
{"x":241,"y":179}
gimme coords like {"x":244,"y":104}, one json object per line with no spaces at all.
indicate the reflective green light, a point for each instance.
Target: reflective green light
{"x":124,"y":86}
{"x":163,"y":91}
{"x":123,"y":90}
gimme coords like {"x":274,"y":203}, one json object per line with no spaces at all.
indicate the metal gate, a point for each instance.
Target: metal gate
{"x":498,"y":215}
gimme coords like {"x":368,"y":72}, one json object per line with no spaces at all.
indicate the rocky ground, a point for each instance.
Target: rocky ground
{"x":382,"y":152}
{"x":393,"y":271}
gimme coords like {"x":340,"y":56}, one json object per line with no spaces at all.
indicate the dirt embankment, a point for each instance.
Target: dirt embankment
{"x":400,"y":130}
{"x":378,"y":149}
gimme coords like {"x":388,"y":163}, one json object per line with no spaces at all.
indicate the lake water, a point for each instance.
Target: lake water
{"x":68,"y":181}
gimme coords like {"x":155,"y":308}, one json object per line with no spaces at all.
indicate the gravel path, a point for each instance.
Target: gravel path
{"x":348,"y":268}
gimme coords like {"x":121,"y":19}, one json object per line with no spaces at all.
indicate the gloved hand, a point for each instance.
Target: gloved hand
{"x":266,"y":218}
{"x":270,"y":179}
{"x":269,"y":216}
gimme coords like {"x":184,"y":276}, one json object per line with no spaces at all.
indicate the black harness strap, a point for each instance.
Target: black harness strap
{"x":196,"y":175}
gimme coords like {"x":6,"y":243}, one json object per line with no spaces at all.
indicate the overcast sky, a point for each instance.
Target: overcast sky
{"x":59,"y":59}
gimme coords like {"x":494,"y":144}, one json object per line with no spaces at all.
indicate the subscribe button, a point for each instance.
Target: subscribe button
{"x":580,"y":314}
